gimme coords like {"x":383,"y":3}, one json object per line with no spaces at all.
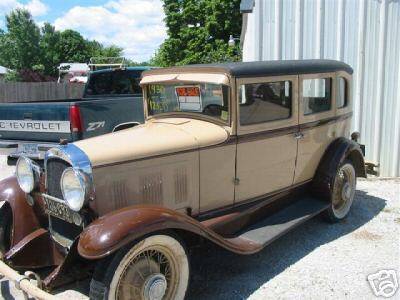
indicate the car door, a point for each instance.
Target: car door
{"x":267,"y":145}
{"x":317,"y":122}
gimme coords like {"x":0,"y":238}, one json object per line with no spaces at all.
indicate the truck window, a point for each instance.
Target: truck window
{"x":113,"y":83}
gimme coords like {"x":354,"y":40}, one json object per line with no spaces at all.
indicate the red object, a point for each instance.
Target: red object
{"x":189,"y":91}
{"x":75,"y":118}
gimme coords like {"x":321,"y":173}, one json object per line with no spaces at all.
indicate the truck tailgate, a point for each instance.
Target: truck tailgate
{"x":35,"y":121}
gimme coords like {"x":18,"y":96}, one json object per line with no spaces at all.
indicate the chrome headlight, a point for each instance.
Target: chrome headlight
{"x":28,"y":174}
{"x":74,"y":188}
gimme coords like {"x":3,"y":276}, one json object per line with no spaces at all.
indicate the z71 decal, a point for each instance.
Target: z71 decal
{"x":96,"y":125}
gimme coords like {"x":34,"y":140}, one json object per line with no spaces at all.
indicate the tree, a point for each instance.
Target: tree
{"x":198,"y":32}
{"x":7,"y":58}
{"x":35,"y":53}
{"x":50,"y":56}
{"x":12,"y":75}
{"x":72,"y":47}
{"x":19,"y":47}
{"x":98,"y":50}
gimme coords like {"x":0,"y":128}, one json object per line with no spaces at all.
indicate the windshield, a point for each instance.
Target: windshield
{"x":117,"y":82}
{"x":200,"y":98}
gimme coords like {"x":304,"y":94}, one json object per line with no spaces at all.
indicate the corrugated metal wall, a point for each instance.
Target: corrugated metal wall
{"x":362,"y":33}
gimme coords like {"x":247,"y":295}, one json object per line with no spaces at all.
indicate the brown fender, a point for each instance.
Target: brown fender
{"x":338,"y":151}
{"x":115,"y":230}
{"x":25,"y":221}
{"x":28,"y":253}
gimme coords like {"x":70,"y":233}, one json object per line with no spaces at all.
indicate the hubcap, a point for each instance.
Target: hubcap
{"x":346,"y":191}
{"x":155,"y":287}
{"x":151,"y":275}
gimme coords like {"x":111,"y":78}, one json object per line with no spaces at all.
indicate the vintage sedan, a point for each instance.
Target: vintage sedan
{"x":237,"y":154}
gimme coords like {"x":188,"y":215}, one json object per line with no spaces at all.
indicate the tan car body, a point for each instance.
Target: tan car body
{"x":170,"y":160}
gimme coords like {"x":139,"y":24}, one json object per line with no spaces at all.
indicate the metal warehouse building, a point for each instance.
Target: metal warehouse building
{"x":363,"y":33}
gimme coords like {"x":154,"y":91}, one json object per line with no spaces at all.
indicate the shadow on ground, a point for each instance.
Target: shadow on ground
{"x":219,"y":274}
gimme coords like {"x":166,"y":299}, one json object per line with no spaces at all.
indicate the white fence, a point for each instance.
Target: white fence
{"x":38,"y":91}
{"x":363,"y":33}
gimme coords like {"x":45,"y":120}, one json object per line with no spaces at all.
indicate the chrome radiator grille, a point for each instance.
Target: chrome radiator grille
{"x":55,"y":168}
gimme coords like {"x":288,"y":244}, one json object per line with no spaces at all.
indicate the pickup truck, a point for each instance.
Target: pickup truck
{"x":112,"y":101}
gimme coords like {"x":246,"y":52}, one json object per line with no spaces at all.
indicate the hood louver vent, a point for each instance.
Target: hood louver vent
{"x":181,"y":188}
{"x":152,"y":188}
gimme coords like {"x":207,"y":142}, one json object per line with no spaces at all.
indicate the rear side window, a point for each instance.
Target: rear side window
{"x":342,"y":99}
{"x":317,"y":95}
{"x":265,"y":102}
{"x":114,"y":83}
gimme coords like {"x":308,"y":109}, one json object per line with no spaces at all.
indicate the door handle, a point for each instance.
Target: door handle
{"x":298,"y":136}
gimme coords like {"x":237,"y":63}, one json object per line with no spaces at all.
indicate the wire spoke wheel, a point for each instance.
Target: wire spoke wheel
{"x":151,"y":275}
{"x":343,"y":190}
{"x":155,"y":269}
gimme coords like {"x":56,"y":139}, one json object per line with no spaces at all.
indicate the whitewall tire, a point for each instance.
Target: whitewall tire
{"x":343,"y":191}
{"x":156,"y":268}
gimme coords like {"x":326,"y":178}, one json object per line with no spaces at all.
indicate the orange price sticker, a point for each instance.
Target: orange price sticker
{"x":190,"y":91}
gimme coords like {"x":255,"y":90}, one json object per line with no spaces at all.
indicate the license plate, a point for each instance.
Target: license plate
{"x":58,"y":209}
{"x":29,"y":148}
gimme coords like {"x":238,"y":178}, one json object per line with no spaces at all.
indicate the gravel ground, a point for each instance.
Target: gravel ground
{"x":315,"y":261}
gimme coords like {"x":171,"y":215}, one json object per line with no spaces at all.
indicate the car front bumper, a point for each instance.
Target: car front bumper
{"x":25,"y":283}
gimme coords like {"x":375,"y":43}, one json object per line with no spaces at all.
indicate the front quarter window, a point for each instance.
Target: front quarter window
{"x":199,"y":98}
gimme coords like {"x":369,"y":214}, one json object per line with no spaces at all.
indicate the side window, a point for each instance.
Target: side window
{"x":342,"y":99}
{"x":265,"y":102}
{"x":316,"y":95}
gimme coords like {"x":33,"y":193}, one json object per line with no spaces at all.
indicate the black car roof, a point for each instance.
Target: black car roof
{"x":282,"y":67}
{"x":269,"y":68}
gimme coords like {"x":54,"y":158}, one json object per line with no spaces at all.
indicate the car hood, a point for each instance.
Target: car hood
{"x":155,"y":137}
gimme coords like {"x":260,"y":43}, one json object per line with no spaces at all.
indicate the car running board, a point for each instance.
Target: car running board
{"x":266,"y":231}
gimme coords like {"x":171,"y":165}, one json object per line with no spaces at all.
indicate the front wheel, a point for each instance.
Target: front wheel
{"x":342,"y":194}
{"x":155,"y":268}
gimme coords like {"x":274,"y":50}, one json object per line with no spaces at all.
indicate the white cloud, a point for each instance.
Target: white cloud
{"x":135,"y":25}
{"x":35,"y":7}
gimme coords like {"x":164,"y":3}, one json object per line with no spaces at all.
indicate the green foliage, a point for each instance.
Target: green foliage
{"x":131,"y":63}
{"x":50,"y":56}
{"x":198,"y":32}
{"x":25,"y":46}
{"x":24,"y":37}
{"x":12,"y":76}
{"x":98,"y":50}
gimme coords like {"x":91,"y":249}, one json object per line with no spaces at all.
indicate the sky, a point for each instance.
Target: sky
{"x":135,"y":25}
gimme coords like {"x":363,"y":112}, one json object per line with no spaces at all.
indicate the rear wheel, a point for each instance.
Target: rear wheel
{"x":342,"y":195}
{"x":5,"y":229}
{"x":155,"y":268}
